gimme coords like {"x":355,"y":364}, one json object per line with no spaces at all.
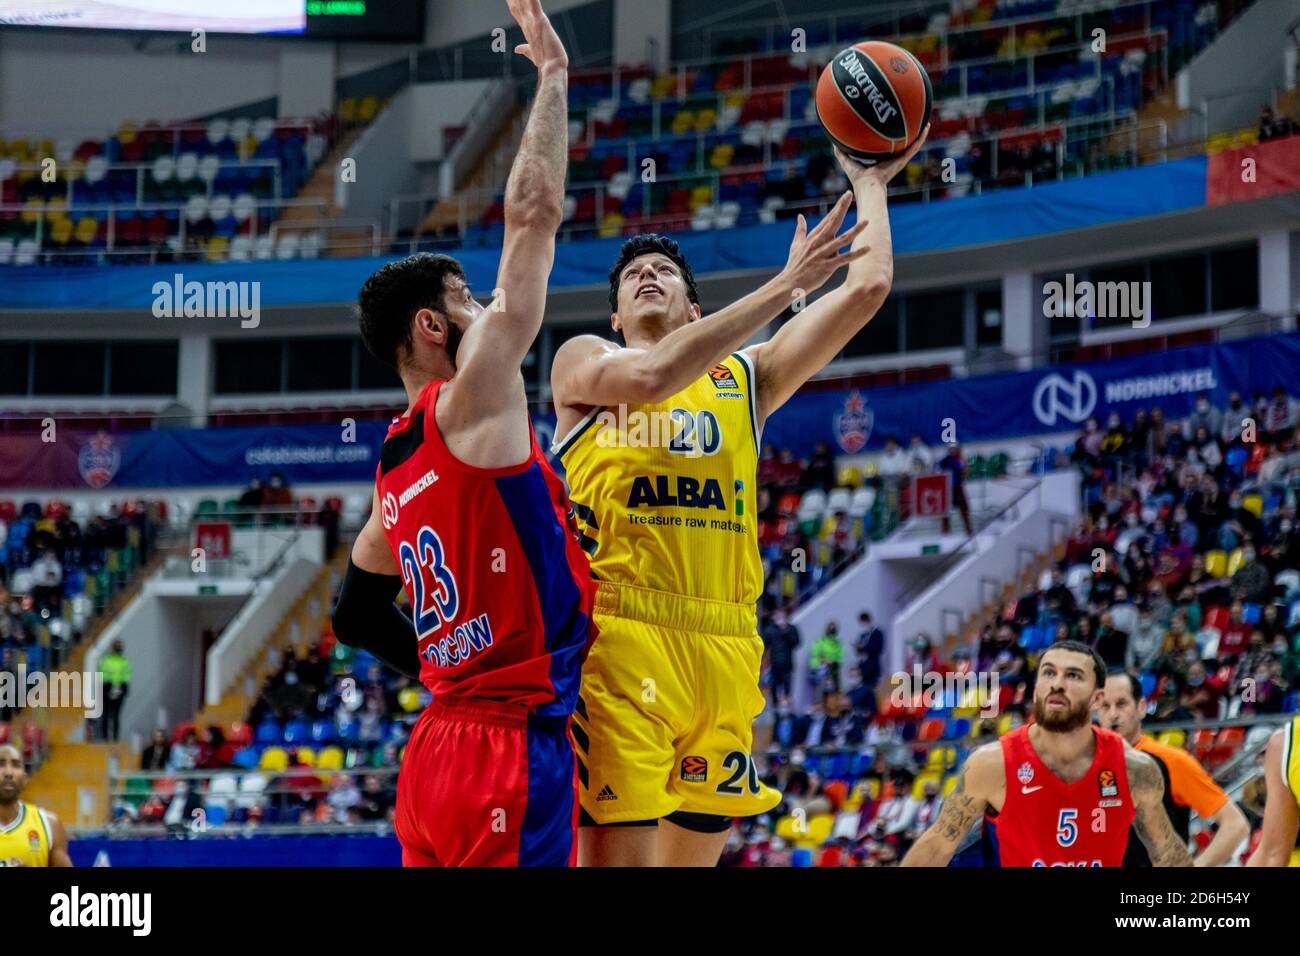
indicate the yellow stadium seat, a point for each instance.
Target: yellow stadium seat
{"x":331,"y":758}
{"x":87,"y":229}
{"x":1218,"y":143}
{"x":950,"y":784}
{"x":1216,"y":563}
{"x":613,"y":226}
{"x":1235,"y":561}
{"x":274,"y":759}
{"x":1173,"y":738}
{"x":785,"y":828}
{"x":683,"y":122}
{"x":348,"y":110}
{"x":922,"y":778}
{"x":33,"y":210}
{"x":663,"y":86}
{"x":734,"y":100}
{"x":409,"y":699}
{"x":705,"y":119}
{"x":306,"y":756}
{"x":819,"y":829}
{"x":217,"y":248}
{"x":61,"y":232}
{"x":941,"y":758}
{"x":1254,"y":504}
{"x":367,"y":109}
{"x":850,"y":477}
{"x":1004,"y":724}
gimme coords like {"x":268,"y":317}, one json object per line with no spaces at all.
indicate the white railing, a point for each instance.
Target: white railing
{"x":141,"y":180}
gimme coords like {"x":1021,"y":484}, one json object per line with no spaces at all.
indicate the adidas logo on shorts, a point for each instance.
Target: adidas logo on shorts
{"x":606,"y":793}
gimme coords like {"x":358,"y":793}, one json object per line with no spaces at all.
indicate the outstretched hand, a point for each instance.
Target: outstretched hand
{"x":882,"y":172}
{"x":815,"y":256}
{"x":541,"y":43}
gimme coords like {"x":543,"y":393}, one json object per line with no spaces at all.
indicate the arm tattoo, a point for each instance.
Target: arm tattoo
{"x":1164,"y":845}
{"x":958,"y":813}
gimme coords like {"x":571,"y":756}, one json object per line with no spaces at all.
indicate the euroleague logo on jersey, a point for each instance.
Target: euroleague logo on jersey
{"x":388,"y":510}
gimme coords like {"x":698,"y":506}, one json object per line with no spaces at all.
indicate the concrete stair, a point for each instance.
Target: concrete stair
{"x":474,"y":194}
{"x":301,"y":627}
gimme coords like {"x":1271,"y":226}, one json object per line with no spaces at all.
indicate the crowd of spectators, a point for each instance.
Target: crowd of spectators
{"x":56,"y":572}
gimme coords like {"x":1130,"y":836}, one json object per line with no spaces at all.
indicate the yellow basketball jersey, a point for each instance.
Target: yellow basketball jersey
{"x":1291,"y":758}
{"x":665,"y":492}
{"x":26,"y":841}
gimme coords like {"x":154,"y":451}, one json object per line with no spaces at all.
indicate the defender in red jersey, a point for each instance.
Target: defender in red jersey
{"x":470,"y":519}
{"x":1059,"y":791}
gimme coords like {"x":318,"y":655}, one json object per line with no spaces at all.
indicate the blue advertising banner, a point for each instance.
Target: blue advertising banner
{"x":239,"y":851}
{"x":1057,"y":398}
{"x":917,"y":227}
{"x":1051,"y":399}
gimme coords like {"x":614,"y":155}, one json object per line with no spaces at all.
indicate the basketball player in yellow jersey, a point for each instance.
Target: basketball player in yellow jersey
{"x":660,"y":448}
{"x":29,"y":836}
{"x":1282,"y":803}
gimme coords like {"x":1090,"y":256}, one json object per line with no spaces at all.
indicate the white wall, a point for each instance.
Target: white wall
{"x":1231,"y":77}
{"x":305,"y":79}
{"x":434,"y":107}
{"x":642,"y":32}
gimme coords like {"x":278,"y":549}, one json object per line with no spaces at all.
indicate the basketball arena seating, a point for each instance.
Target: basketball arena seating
{"x":737,"y":142}
{"x":97,"y":557}
{"x":182,"y":191}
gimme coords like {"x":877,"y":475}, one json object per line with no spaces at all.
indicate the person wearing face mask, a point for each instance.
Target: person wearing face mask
{"x":1203,"y":415}
{"x":780,"y":639}
{"x":1233,"y":416}
{"x":1251,"y":583}
{"x":1239,"y":524}
{"x":1203,"y":692}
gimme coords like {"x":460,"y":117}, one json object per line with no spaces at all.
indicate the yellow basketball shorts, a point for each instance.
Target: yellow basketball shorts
{"x":665,"y":718}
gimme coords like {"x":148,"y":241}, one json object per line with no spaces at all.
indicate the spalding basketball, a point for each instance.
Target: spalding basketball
{"x":874,"y":99}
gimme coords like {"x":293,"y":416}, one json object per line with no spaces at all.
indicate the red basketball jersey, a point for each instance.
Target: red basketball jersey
{"x":1047,"y":822}
{"x":500,"y":589}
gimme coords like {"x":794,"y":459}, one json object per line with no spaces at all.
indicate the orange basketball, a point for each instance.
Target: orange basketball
{"x":874,"y":99}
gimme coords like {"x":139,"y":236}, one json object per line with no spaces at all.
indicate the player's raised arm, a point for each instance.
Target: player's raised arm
{"x":814,"y":336}
{"x":495,"y":346}
{"x":589,"y":370}
{"x":961,"y":809}
{"x":1281,"y":813}
{"x":1164,"y":846}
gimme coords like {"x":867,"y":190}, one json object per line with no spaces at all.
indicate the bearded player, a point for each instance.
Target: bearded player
{"x":661,"y":458}
{"x":29,"y":836}
{"x":1059,"y":791}
{"x":1277,"y":841}
{"x":470,"y":518}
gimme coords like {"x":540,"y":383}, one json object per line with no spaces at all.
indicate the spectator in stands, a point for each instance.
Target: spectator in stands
{"x":893,"y":467}
{"x":9,"y":669}
{"x":820,"y":472}
{"x":953,"y":464}
{"x":780,"y":639}
{"x":1115,"y":443}
{"x":1203,"y":692}
{"x":920,"y":458}
{"x":185,"y":755}
{"x":827,"y":657}
{"x":116,"y":668}
{"x":377,"y":802}
{"x":157,"y":756}
{"x":214,"y":752}
{"x":185,"y":809}
{"x":870,"y":647}
{"x":789,"y":471}
{"x":1272,"y":126}
{"x":344,"y":796}
{"x":1279,"y":417}
{"x":1145,"y":643}
{"x":328,"y":519}
{"x":253,"y":496}
{"x":922,"y":657}
{"x":47,"y":581}
{"x":1111,"y":642}
{"x":927,"y":811}
{"x":1251,"y":583}
{"x":1204,"y":415}
{"x":1233,"y":416}
{"x":897,"y":812}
